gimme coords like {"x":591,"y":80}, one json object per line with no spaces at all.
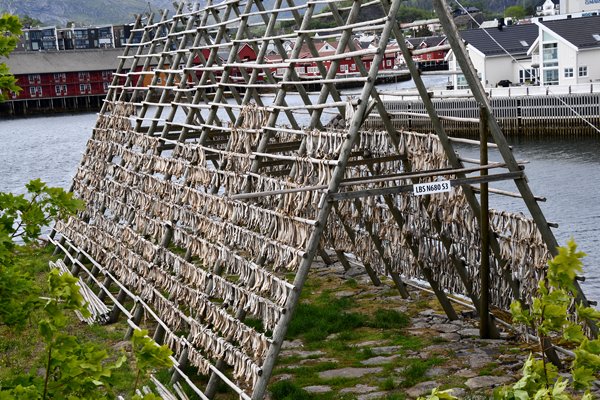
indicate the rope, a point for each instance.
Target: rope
{"x":525,"y":69}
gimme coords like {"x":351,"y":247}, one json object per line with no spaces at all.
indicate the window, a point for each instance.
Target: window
{"x":280,"y":71}
{"x":528,"y":75}
{"x":57,"y":90}
{"x":105,"y":86}
{"x":312,"y":70}
{"x":60,"y":77}
{"x":35,"y":91}
{"x":568,"y":73}
{"x":34,"y":78}
{"x":344,"y":67}
{"x":352,"y":67}
{"x":299,"y":70}
{"x":461,"y":82}
{"x":83,"y":87}
{"x":583,"y":71}
{"x":388,"y":63}
{"x":550,"y":54}
{"x":106,"y":74}
{"x":551,"y":76}
{"x":84,"y":76}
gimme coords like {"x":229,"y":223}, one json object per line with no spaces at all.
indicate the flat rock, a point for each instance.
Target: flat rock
{"x":349,"y":372}
{"x":369,"y":343}
{"x":372,"y":396}
{"x":479,"y":360}
{"x":283,"y":377}
{"x":302,"y":353}
{"x":317,"y":389}
{"x":435,"y":372}
{"x":379,"y":360}
{"x":469,"y":332}
{"x":318,"y":361}
{"x":451,"y":337}
{"x":419,"y":325}
{"x":421,"y":389}
{"x":294,"y":344}
{"x":466,"y":373}
{"x":344,"y":293}
{"x":446,"y":328}
{"x":458,"y":392}
{"x":385,"y":350}
{"x":481,"y":382}
{"x":359,"y":389}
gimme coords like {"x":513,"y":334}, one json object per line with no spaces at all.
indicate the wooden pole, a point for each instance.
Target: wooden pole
{"x":315,"y":238}
{"x":470,"y":74}
{"x":484,"y":270}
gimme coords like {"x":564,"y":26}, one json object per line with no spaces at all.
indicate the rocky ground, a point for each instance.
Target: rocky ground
{"x":430,"y":351}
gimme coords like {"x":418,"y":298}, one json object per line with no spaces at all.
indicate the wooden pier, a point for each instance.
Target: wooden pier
{"x":52,"y":105}
{"x":539,"y":115}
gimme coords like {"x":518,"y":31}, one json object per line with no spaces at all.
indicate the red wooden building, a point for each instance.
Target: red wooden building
{"x":44,"y":75}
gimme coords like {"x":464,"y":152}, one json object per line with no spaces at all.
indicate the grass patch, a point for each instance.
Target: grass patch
{"x":388,"y":384}
{"x":286,"y":390}
{"x":389,"y":319}
{"x":488,"y":369}
{"x":415,"y":371}
{"x":323,"y":316}
{"x":407,"y":342}
{"x":351,"y":283}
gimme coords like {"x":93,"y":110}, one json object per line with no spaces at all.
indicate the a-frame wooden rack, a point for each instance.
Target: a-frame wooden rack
{"x":210,"y":179}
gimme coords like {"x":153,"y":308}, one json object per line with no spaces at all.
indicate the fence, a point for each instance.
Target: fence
{"x":562,"y":114}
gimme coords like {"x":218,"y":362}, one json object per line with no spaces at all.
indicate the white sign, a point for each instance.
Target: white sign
{"x":421,"y":189}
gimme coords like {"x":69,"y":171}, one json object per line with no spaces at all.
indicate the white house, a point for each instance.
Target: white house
{"x":499,"y":54}
{"x":576,"y":6}
{"x":568,"y":50}
{"x":548,"y":7}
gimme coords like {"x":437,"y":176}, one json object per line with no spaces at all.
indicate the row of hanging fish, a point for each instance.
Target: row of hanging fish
{"x":146,"y":278}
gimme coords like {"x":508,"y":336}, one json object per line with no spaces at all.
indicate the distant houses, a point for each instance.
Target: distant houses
{"x":62,"y":74}
{"x":558,"y":50}
{"x":568,"y":50}
{"x":64,"y":63}
{"x":51,"y":38}
{"x":499,"y":54}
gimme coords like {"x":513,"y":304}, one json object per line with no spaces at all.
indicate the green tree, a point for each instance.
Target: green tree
{"x":22,"y":217}
{"x":28,"y":21}
{"x":548,"y":318}
{"x":517,"y":12}
{"x":10,"y":29}
{"x":410,"y":14}
{"x":74,"y":369}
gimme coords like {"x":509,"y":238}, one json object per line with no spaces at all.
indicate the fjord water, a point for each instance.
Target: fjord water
{"x":565,"y":171}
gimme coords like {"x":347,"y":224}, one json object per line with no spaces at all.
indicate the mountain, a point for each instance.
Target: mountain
{"x":85,"y":12}
{"x":98,"y":12}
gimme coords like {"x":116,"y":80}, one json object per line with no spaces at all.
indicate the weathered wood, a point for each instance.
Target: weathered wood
{"x":408,"y":188}
{"x":484,"y":270}
{"x":479,"y":94}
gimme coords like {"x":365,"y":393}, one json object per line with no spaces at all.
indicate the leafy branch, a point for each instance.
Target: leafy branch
{"x":548,"y":318}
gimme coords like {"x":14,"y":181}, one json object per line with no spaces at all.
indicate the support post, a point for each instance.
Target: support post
{"x":137,"y":317}
{"x":484,"y":270}
{"x":116,"y":311}
{"x":324,"y":210}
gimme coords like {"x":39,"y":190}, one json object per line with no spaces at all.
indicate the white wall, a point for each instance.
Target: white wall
{"x":591,"y":59}
{"x":573,"y":6}
{"x":498,"y":69}
{"x":492,"y":69}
